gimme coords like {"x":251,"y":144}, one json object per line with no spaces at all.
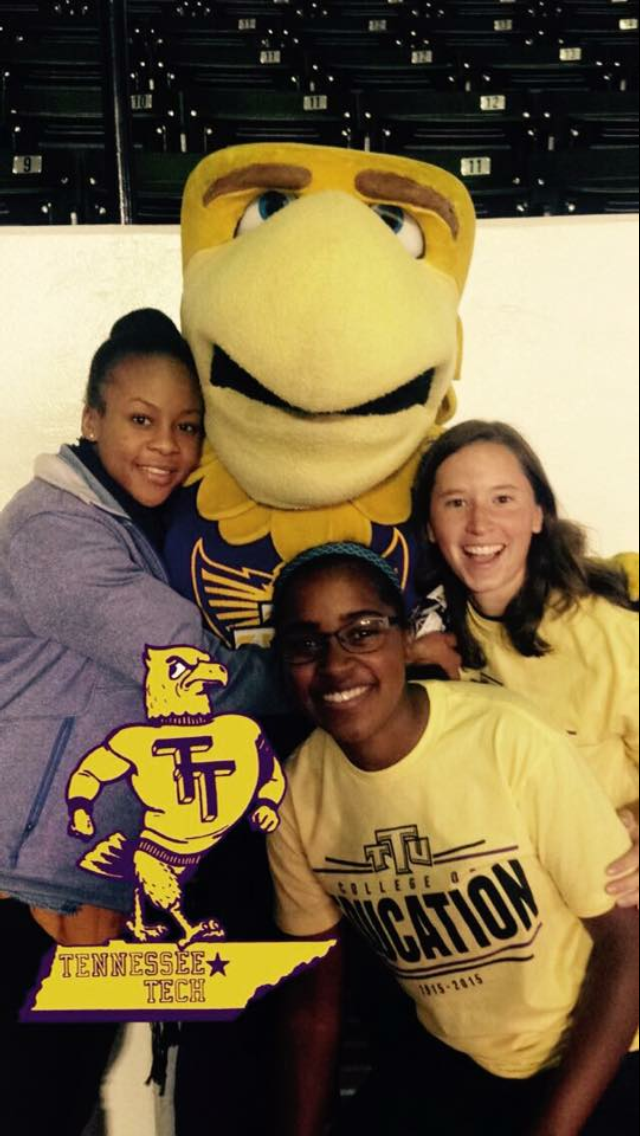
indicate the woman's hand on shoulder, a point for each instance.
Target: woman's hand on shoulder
{"x":624,"y":885}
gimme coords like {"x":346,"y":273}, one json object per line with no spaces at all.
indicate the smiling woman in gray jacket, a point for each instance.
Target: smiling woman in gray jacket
{"x":82,"y":591}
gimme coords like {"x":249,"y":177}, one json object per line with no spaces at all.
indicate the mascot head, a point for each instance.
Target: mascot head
{"x":321,"y":292}
{"x":177,"y":682}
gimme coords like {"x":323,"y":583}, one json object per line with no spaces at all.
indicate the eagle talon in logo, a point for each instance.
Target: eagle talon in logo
{"x":196,"y":775}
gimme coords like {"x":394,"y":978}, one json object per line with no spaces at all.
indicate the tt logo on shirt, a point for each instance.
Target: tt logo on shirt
{"x":399,"y":848}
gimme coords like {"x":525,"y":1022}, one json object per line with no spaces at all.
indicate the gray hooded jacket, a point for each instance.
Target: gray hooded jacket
{"x":82,"y":592}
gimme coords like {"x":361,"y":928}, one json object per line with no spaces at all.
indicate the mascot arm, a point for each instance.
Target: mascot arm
{"x":108,"y":608}
{"x":97,"y":768}
{"x":271,"y":789}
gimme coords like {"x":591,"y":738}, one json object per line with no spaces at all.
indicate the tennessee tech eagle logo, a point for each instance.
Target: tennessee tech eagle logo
{"x":196,"y":775}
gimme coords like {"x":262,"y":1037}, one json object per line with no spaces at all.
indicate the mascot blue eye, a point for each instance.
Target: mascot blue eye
{"x":405,"y":227}
{"x":262,"y":208}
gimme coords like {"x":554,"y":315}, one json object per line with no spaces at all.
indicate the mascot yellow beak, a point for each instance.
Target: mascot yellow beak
{"x":206,"y":674}
{"x":321,"y":301}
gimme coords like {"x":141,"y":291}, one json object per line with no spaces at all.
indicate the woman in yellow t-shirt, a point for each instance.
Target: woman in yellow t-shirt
{"x":429,"y":817}
{"x":528,"y":608}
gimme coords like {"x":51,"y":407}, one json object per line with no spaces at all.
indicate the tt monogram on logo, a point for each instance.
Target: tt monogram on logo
{"x":401,"y":848}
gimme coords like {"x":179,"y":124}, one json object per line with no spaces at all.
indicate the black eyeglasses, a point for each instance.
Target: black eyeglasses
{"x":360,"y":637}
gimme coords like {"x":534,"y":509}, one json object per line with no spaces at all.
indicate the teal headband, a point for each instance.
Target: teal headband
{"x":337,"y":548}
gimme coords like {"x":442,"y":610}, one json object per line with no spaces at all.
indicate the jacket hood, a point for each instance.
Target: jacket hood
{"x":65,"y":471}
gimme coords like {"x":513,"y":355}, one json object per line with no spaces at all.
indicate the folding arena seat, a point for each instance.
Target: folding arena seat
{"x":475,"y":55}
{"x":149,"y":9}
{"x":484,"y":28}
{"x":50,"y":56}
{"x":579,"y":121}
{"x":607,"y":33}
{"x":481,"y":18}
{"x":245,"y":19}
{"x":493,"y":164}
{"x":38,"y":189}
{"x":51,"y":102}
{"x":599,"y":180}
{"x":598,"y":19}
{"x":98,"y":190}
{"x":71,"y":13}
{"x":215,"y":119}
{"x":558,"y":68}
{"x":416,"y":120}
{"x":620,"y":60}
{"x":18,"y":15}
{"x":56,"y":115}
{"x":156,"y":120}
{"x":360,"y":9}
{"x":398,"y":69}
{"x":158,"y":185}
{"x":246,"y":8}
{"x":209,"y":62}
{"x":351,"y":21}
{"x":322,"y":36}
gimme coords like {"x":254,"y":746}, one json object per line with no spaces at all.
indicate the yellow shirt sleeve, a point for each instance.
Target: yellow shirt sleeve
{"x":573,"y":825}
{"x":302,"y":906}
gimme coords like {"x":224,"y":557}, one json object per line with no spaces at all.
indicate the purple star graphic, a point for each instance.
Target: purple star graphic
{"x":219,"y":965}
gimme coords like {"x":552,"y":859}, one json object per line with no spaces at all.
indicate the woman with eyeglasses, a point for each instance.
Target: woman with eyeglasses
{"x":441,"y":820}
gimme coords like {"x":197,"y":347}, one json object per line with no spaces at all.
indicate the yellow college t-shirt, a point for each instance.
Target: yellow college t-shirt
{"x":467,"y":866}
{"x":587,"y":685}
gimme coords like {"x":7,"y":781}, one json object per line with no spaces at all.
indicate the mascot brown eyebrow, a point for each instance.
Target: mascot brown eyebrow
{"x":321,"y":292}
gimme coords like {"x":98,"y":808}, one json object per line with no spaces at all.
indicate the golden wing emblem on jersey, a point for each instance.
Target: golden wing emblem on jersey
{"x":235,"y":602}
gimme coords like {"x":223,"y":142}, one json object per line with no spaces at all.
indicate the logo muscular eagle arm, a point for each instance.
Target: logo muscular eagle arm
{"x":270,"y":792}
{"x":97,"y":768}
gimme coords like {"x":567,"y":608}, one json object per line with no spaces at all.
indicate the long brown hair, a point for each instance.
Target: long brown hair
{"x":559,"y":571}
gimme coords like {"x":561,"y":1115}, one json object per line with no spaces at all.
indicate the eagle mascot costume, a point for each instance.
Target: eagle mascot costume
{"x":321,"y":293}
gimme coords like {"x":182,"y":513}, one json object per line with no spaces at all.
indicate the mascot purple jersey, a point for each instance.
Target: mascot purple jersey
{"x":233,"y":585}
{"x":321,"y":293}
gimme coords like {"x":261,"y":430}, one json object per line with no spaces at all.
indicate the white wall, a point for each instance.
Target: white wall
{"x":551,"y":321}
{"x":550,"y":316}
{"x":550,"y":313}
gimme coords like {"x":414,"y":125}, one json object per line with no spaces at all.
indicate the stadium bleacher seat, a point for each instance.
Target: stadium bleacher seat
{"x":98,"y":203}
{"x":53,"y":115}
{"x":558,"y":68}
{"x":397,"y":69}
{"x":621,"y":61}
{"x":345,"y":23}
{"x":598,"y":180}
{"x":224,"y":63}
{"x":599,"y":19}
{"x":215,"y":119}
{"x":419,"y":118}
{"x":496,"y":176}
{"x":156,"y":120}
{"x":583,"y":121}
{"x":489,"y":88}
{"x":39,"y":189}
{"x":158,"y":181}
